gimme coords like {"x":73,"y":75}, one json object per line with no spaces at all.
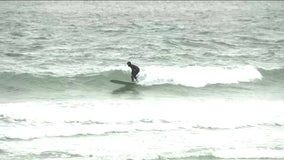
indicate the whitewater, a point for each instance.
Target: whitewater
{"x":211,"y":81}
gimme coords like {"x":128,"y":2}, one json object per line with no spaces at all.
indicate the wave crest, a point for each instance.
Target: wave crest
{"x":190,"y":76}
{"x":197,"y":76}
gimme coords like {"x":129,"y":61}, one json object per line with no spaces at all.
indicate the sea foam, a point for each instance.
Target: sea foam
{"x":197,"y":76}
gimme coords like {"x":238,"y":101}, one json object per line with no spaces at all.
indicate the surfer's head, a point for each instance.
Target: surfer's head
{"x":128,"y":63}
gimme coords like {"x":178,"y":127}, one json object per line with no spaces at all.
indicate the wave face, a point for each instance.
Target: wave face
{"x":156,"y":79}
{"x":192,"y":76}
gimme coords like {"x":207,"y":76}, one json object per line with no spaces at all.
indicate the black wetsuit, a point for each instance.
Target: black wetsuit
{"x":134,"y":71}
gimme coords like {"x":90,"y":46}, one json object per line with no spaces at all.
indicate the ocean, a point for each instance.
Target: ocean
{"x":211,"y":81}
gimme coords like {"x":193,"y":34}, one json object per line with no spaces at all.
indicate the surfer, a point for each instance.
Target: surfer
{"x":134,"y":71}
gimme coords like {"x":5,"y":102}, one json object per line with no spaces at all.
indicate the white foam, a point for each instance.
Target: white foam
{"x":138,"y":123}
{"x":197,"y":76}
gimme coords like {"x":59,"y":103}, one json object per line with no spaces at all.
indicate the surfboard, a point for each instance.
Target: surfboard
{"x":122,"y":82}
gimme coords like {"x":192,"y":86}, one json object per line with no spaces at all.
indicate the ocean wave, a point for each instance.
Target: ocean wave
{"x":190,"y":76}
{"x":41,"y":155}
{"x":202,"y":157}
{"x":10,"y":81}
{"x":85,"y":122}
{"x":238,"y":127}
{"x":272,"y":125}
{"x":14,"y":55}
{"x":244,"y":127}
{"x":9,"y":120}
{"x":254,"y":39}
{"x":197,"y":76}
{"x":280,"y":41}
{"x":11,"y":139}
{"x":2,"y":151}
{"x":209,"y":128}
{"x":107,"y":133}
{"x":273,"y":75}
{"x":213,"y":154}
{"x":223,"y":43}
{"x":90,"y":122}
{"x":79,"y":135}
{"x":57,"y":154}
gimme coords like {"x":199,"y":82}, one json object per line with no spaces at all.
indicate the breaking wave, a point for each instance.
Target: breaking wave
{"x":191,"y":76}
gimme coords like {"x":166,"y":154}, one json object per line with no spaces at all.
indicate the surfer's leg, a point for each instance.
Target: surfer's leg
{"x":135,"y":76}
{"x":132,"y":78}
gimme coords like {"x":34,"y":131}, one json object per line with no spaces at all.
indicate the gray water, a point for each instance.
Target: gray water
{"x":210,"y":86}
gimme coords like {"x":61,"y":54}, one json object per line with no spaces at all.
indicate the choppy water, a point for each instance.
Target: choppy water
{"x":211,"y":84}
